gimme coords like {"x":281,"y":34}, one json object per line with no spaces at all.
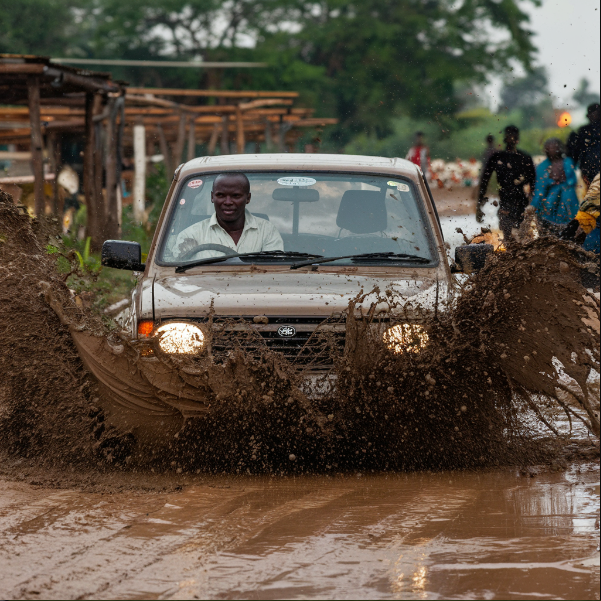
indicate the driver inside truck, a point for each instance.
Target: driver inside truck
{"x":232,"y":224}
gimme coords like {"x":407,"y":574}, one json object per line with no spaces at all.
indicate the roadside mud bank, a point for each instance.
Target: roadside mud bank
{"x":513,"y":352}
{"x":47,"y":399}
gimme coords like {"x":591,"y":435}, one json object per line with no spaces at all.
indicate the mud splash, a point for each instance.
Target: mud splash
{"x":48,"y":402}
{"x":517,"y":346}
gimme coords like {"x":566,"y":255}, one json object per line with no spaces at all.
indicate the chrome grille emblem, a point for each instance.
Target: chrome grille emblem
{"x":286,"y":331}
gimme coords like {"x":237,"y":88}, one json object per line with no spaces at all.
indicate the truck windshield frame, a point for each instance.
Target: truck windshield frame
{"x":347,"y":213}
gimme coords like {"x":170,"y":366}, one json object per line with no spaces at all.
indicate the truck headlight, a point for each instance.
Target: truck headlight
{"x":180,"y":338}
{"x":406,"y":337}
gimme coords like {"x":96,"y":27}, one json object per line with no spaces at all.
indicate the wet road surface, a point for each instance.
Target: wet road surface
{"x":497,"y":534}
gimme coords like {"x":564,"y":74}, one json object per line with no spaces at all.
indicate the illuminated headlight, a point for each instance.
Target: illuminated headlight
{"x":180,"y":338}
{"x":406,"y":337}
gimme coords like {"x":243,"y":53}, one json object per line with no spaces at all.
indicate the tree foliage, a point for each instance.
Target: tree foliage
{"x":385,"y":57}
{"x":583,"y":94}
{"x":36,"y":26}
{"x":364,"y":61}
{"x":529,"y":90}
{"x":176,"y":29}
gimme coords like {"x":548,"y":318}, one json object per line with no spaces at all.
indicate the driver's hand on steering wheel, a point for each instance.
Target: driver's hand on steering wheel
{"x":187,"y":245}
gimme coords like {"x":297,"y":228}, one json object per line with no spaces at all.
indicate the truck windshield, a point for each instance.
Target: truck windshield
{"x":315,"y":213}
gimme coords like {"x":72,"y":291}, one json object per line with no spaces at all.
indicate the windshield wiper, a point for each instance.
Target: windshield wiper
{"x":264,"y":253}
{"x":365,"y":256}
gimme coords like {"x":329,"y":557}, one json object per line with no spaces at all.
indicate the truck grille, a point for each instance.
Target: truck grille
{"x":312,"y":345}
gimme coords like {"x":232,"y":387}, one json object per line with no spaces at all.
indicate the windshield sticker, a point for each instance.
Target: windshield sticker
{"x":182,"y":201}
{"x":296,"y":181}
{"x":399,"y":186}
{"x":195,"y":183}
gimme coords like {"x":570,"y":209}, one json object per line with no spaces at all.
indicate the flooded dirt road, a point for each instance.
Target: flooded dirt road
{"x":494,"y":534}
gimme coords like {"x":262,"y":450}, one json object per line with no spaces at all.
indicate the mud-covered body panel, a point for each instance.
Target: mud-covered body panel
{"x":277,"y":293}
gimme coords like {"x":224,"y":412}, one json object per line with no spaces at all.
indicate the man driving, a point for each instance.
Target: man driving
{"x":232,"y":225}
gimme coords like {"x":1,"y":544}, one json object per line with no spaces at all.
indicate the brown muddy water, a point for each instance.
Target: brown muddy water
{"x":504,"y":534}
{"x":328,"y":497}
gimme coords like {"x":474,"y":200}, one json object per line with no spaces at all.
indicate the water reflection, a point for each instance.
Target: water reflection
{"x":411,"y":536}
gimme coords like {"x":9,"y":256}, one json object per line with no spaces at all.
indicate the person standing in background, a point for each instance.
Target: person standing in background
{"x":585,"y":226}
{"x":555,"y":197}
{"x":584,"y":147}
{"x":488,"y":151}
{"x":419,"y":154}
{"x":515,"y":171}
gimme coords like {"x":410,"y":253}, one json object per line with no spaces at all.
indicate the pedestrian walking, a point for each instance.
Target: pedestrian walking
{"x":489,"y":150}
{"x":555,"y":198}
{"x":419,"y":154}
{"x":515,"y":171}
{"x":584,"y":146}
{"x":585,"y":226}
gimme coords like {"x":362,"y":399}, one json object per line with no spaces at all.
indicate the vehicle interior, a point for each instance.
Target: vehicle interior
{"x":316,"y":213}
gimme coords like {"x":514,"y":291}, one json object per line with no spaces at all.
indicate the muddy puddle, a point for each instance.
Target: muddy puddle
{"x":414,"y":477}
{"x":501,"y":534}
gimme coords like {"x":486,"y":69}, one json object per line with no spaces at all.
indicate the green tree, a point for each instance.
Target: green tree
{"x":529,"y":96}
{"x":382,"y":58}
{"x":583,"y":95}
{"x":529,"y":90}
{"x":364,"y":61}
{"x":43,"y":27}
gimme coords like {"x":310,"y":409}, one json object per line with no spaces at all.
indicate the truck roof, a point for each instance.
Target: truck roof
{"x":300,"y":162}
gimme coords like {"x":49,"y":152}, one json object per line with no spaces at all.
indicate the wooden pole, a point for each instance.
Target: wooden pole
{"x":240,"y":141}
{"x":276,"y":135}
{"x":213,"y":140}
{"x":225,"y":136}
{"x":88,"y":173}
{"x":112,"y":219}
{"x":178,"y":151}
{"x":53,"y":150}
{"x":268,"y":138}
{"x":59,"y":199}
{"x":98,"y":171}
{"x":283,"y":129}
{"x":191,"y":139}
{"x":281,"y":135}
{"x":37,"y":158}
{"x":140,"y":173}
{"x":165,"y":151}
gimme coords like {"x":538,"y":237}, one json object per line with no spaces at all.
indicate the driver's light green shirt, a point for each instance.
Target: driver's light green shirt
{"x":258,"y":234}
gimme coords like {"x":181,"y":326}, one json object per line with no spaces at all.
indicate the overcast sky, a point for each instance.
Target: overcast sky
{"x":567,"y":36}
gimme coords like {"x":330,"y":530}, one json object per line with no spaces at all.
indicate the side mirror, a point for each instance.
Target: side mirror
{"x":472,"y":257}
{"x":122,"y":255}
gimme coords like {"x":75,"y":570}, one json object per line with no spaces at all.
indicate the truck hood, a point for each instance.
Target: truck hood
{"x":283,"y":293}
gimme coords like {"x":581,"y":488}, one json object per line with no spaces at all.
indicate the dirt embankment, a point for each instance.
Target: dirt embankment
{"x":48,"y":405}
{"x":468,"y":399}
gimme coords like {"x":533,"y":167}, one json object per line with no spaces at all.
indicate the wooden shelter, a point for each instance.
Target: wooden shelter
{"x":36,"y":82}
{"x":112,"y":117}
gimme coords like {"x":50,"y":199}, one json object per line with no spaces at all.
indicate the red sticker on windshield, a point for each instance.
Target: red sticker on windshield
{"x":195,"y":183}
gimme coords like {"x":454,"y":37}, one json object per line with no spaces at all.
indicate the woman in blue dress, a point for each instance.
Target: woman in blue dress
{"x":555,"y":197}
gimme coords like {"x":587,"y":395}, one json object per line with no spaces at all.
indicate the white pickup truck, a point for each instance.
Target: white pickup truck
{"x":343,"y":224}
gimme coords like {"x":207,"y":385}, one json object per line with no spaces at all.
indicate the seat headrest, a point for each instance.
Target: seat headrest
{"x":362,"y":212}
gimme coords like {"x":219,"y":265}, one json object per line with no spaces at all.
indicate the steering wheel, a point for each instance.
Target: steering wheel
{"x":200,"y":247}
